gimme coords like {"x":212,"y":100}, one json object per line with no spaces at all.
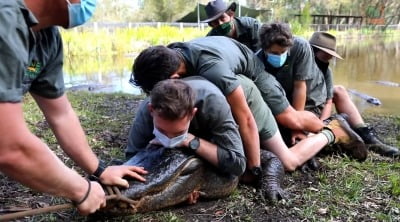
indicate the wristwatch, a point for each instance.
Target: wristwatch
{"x":100,"y":169}
{"x":194,"y":144}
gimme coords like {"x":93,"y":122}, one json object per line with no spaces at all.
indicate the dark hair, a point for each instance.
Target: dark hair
{"x":154,"y":64}
{"x":275,"y":33}
{"x":172,"y":99}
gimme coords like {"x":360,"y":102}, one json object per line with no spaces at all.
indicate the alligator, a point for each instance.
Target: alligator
{"x":369,"y":99}
{"x":175,"y":173}
{"x":388,"y":83}
{"x":88,"y":87}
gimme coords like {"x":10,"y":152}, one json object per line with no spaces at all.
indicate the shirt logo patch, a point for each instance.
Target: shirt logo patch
{"x":33,"y":69}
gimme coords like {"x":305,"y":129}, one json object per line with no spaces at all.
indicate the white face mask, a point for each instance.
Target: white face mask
{"x":166,"y":141}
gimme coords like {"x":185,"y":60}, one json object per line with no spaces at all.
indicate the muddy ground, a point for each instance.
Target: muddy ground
{"x":342,"y":190}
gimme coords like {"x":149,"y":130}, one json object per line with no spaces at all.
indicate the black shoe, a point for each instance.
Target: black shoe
{"x":372,"y":141}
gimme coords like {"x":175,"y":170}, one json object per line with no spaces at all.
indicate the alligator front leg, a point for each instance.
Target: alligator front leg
{"x":272,"y":176}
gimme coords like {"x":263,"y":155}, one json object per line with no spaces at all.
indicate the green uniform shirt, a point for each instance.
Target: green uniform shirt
{"x":219,"y":59}
{"x":328,"y":77}
{"x":213,"y":122}
{"x":246,"y":32}
{"x":299,"y":65}
{"x":31,"y":61}
{"x":329,"y":84}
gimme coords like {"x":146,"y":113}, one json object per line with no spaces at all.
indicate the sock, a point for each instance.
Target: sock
{"x":360,"y":125}
{"x":329,"y":135}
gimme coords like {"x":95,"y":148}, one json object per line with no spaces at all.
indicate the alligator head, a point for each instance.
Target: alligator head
{"x":173,"y":175}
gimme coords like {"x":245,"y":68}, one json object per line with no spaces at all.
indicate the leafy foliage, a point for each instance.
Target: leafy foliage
{"x":169,"y":11}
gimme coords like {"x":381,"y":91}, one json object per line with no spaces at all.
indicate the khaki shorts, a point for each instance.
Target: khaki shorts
{"x":266,"y":123}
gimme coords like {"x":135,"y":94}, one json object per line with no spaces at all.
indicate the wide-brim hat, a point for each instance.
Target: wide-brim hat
{"x":214,"y":9}
{"x":326,"y":42}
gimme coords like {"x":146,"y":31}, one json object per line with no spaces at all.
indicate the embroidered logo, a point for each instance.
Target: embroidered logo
{"x":33,"y":69}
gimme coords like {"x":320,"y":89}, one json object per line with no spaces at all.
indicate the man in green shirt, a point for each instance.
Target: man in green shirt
{"x":324,"y":48}
{"x":31,"y":60}
{"x":290,"y":60}
{"x":193,"y":113}
{"x":224,"y":23}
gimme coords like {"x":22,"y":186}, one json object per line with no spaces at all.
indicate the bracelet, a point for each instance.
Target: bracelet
{"x":100,"y":169}
{"x":86,"y":195}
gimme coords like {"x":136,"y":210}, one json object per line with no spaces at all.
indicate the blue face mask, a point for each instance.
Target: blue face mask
{"x":166,"y":141}
{"x":79,"y":13}
{"x":276,"y":60}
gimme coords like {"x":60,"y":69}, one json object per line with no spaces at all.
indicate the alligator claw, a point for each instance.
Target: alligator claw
{"x":275,"y":194}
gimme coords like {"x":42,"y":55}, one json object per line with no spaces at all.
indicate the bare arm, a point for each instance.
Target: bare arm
{"x":68,"y":131}
{"x":70,"y":135}
{"x":247,"y":126}
{"x":25,"y":158}
{"x":299,"y":101}
{"x":299,"y":120}
{"x":299,"y":94}
{"x":327,"y":111}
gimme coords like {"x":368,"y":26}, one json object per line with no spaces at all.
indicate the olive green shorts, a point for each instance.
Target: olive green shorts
{"x":266,"y":123}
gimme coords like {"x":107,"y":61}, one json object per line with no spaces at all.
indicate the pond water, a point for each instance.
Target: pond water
{"x":366,"y":63}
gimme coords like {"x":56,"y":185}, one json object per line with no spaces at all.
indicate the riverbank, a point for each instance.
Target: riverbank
{"x":342,"y":190}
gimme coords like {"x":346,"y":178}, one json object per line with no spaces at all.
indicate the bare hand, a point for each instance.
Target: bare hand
{"x":297,"y":135}
{"x":95,"y":200}
{"x":113,"y":175}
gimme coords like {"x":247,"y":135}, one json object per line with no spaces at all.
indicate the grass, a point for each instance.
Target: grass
{"x":348,"y":189}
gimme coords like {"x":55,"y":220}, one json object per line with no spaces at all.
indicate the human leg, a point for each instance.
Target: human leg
{"x":299,"y":153}
{"x":344,"y":104}
{"x":337,"y":131}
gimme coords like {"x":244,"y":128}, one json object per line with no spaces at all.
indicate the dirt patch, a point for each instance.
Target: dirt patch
{"x":341,"y":190}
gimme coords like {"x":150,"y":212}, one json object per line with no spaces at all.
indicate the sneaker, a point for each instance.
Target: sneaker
{"x":373,"y":142}
{"x":346,"y":138}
